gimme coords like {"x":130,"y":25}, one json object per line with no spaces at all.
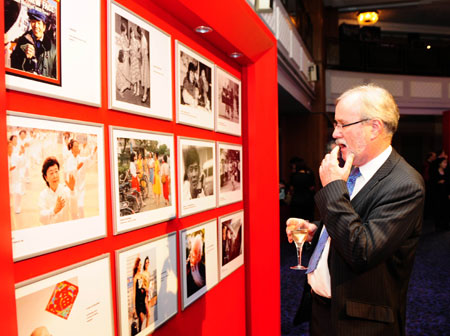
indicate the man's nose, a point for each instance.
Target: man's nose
{"x":337,"y":133}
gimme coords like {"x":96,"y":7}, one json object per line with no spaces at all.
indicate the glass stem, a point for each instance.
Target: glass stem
{"x":299,"y":253}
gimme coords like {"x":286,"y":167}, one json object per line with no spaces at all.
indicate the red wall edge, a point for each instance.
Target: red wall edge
{"x":7,"y":296}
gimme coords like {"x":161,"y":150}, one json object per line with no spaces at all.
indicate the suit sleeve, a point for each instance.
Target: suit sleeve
{"x":390,"y":214}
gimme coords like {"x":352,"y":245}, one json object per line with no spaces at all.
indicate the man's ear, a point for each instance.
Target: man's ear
{"x":377,"y":128}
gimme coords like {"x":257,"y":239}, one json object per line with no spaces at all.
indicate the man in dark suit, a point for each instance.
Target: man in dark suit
{"x":366,"y":240}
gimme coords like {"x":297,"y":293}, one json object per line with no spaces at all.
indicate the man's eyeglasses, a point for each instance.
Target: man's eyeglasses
{"x":339,"y":126}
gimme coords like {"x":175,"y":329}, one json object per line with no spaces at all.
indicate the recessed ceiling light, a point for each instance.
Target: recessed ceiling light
{"x":235,"y":54}
{"x":203,"y":29}
{"x":428,"y":46}
{"x":367,"y":18}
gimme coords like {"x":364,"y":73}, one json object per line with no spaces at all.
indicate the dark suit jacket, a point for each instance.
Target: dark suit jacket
{"x":373,"y":242}
{"x":191,"y":285}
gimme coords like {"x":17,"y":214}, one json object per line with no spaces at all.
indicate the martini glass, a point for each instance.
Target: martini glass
{"x":299,"y":236}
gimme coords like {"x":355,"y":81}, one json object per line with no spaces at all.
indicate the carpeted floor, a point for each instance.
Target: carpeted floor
{"x":428,"y":310}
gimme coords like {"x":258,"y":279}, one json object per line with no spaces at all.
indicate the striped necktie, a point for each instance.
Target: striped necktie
{"x":324,"y":236}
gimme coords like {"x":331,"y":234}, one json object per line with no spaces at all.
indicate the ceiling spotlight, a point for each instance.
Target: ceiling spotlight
{"x":428,"y":47}
{"x":203,"y":29}
{"x":235,"y":54}
{"x":367,"y":18}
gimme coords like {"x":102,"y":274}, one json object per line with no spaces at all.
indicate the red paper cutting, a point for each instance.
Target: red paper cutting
{"x":62,"y":299}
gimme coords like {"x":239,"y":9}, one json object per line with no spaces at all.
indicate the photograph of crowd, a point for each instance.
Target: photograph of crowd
{"x":195,"y":78}
{"x":32,"y":39}
{"x":72,"y":302}
{"x":142,"y":291}
{"x":228,"y":103}
{"x":132,"y":62}
{"x":231,"y":244}
{"x":230,"y":170}
{"x":144,"y":175}
{"x":53,"y":176}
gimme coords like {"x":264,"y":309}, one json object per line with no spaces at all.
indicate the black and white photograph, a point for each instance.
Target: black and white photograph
{"x":194,"y":88}
{"x":139,"y":65}
{"x":72,"y":301}
{"x":147,"y":285}
{"x":143,"y":165}
{"x":57,"y":183}
{"x":231,"y":243}
{"x":197,"y":177}
{"x":199,"y":255}
{"x":52,"y":52}
{"x":228,"y":103}
{"x":229,"y":161}
{"x":33,"y":40}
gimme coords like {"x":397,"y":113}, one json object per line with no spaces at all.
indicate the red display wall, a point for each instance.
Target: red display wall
{"x":247,"y":301}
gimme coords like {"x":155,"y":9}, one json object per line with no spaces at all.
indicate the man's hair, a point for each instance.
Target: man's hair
{"x":190,"y":156}
{"x":197,"y":243}
{"x":376,"y":103}
{"x":49,"y":162}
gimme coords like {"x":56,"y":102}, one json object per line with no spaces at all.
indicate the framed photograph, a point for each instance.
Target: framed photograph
{"x":56,"y":183}
{"x":197,"y":176}
{"x":140,"y":72}
{"x":49,"y":51}
{"x":72,"y":301}
{"x":198,"y":255}
{"x":147,"y":285}
{"x":229,"y":179}
{"x":231,"y":243}
{"x":143,"y":168}
{"x":194,"y":88}
{"x":228,"y":103}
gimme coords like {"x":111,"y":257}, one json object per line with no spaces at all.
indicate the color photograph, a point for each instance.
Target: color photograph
{"x":229,"y":161}
{"x":197,"y":181}
{"x":52,"y":52}
{"x":194,"y":88}
{"x":73,"y":301}
{"x":140,"y":68}
{"x":231,"y":243}
{"x":144,"y":173}
{"x":199,"y":260}
{"x":33,"y":40}
{"x":228,"y":103}
{"x":56,"y":178}
{"x":147,"y":285}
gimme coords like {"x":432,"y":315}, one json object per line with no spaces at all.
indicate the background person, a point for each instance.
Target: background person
{"x":35,"y":51}
{"x":192,"y":186}
{"x":366,"y":240}
{"x":195,"y":269}
{"x":139,"y":293}
{"x":190,"y":91}
{"x":57,"y":202}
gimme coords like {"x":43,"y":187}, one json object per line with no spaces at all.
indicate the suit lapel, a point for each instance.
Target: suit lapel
{"x":381,"y":173}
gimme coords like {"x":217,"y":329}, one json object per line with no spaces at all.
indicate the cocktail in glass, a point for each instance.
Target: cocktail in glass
{"x":299,"y":236}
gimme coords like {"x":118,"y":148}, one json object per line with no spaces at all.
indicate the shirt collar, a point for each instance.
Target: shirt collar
{"x":371,"y":167}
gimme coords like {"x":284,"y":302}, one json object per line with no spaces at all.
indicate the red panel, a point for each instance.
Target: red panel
{"x":235,"y":306}
{"x":7,"y":296}
{"x":261,"y":196}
